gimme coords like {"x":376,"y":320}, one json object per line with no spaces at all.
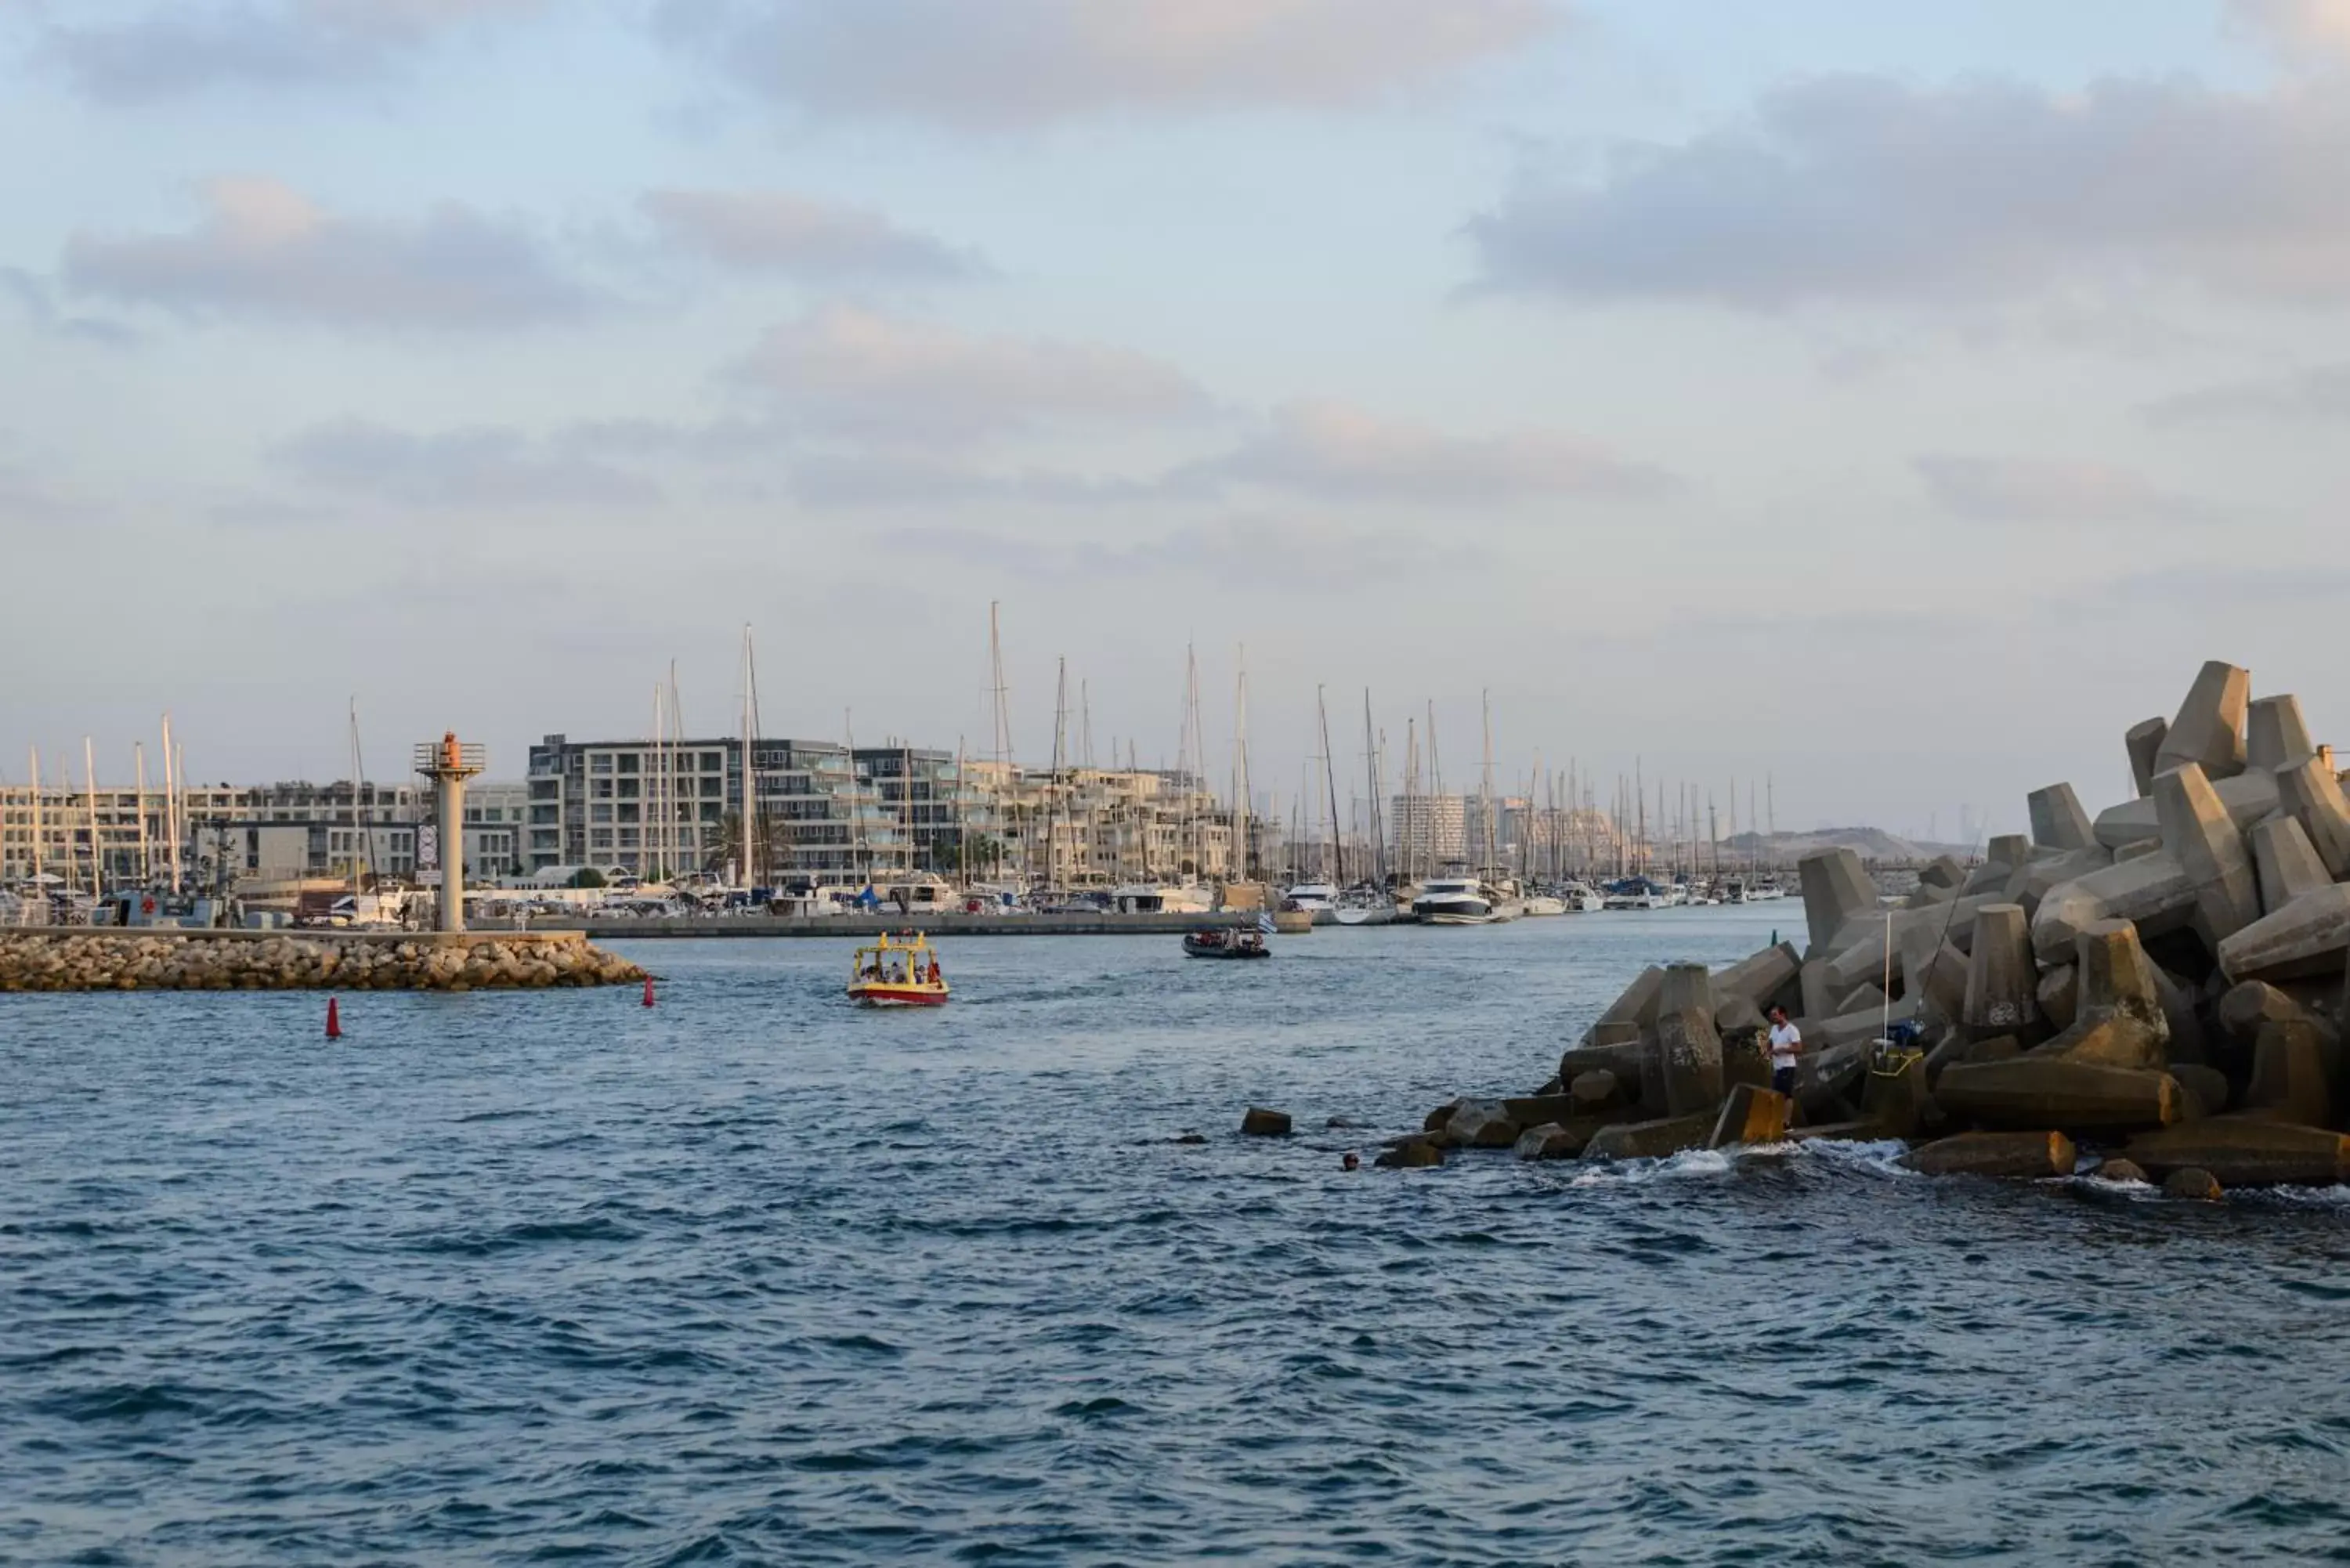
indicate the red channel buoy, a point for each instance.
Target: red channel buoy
{"x":334,"y":1021}
{"x":649,"y":991}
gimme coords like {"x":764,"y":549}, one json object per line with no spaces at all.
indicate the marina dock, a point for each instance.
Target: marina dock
{"x":632,"y":929}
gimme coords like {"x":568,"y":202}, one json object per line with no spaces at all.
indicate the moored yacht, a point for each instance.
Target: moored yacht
{"x":1457,"y":900}
{"x":1319,"y":899}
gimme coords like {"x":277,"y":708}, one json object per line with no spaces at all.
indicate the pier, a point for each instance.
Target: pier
{"x":633,"y":928}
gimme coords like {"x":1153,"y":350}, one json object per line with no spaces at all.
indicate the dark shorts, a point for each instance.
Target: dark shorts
{"x":1783,"y":1080}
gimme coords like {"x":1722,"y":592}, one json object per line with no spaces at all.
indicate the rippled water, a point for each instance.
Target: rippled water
{"x":754,"y":1278}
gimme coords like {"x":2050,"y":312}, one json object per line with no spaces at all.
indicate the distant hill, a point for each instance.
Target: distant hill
{"x":1873,"y":844}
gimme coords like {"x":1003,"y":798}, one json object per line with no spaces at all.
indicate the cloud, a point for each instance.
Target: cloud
{"x":867,"y":478}
{"x":814,"y":241}
{"x":184,"y":46}
{"x":1342,"y":453}
{"x":263,"y":249}
{"x":1291,"y":557}
{"x":2319,"y":393}
{"x":474,"y":467}
{"x":39,"y":307}
{"x":1855,"y":189}
{"x":2034,"y":490}
{"x":882,"y":378}
{"x":1019,"y":63}
{"x":2300,"y":29}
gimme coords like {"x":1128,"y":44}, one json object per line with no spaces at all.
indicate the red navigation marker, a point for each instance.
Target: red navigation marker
{"x":334,"y":1021}
{"x":649,"y":991}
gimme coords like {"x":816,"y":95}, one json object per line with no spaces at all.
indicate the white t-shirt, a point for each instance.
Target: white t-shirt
{"x":1784,"y":1038}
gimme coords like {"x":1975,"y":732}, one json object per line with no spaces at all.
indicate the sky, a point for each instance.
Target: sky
{"x":1892,"y":402}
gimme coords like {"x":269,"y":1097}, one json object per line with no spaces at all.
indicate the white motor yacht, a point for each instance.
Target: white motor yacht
{"x":1457,"y":902}
{"x":1319,"y":899}
{"x":1161,"y":899}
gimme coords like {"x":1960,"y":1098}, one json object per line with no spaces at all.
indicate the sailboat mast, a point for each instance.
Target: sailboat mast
{"x":749,"y":814}
{"x":1053,"y":792}
{"x":1240,"y":765}
{"x":1330,"y":786}
{"x":356,"y":889}
{"x":96,"y":846}
{"x":170,"y":807}
{"x":139,"y":765}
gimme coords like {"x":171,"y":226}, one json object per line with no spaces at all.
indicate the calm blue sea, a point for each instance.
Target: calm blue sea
{"x":754,"y":1278}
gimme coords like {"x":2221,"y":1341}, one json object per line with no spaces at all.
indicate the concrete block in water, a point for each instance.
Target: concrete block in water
{"x":2275,"y":733}
{"x":1548,"y":1141}
{"x":2307,"y":939}
{"x":1650,"y":1140}
{"x":2057,"y":819}
{"x":1683,"y":1074}
{"x":1736,"y":1015}
{"x":2248,"y":1151}
{"x":2024,"y":1156}
{"x":1411,"y":1154}
{"x":2006,"y":855}
{"x":2286,"y":863}
{"x":2000,"y":980}
{"x":1258,"y":1122}
{"x":1751,"y":1116}
{"x":2059,"y":995}
{"x":2209,"y":729}
{"x":1595,"y":1090}
{"x":2198,"y":831}
{"x":1892,"y":1095}
{"x":2193,"y":1183}
{"x":1480,"y":1124}
{"x":2117,"y":982}
{"x":2313,"y":796}
{"x":1836,"y":890}
{"x":1621,"y":1060}
{"x":2144,"y":742}
{"x":2036,"y":1091}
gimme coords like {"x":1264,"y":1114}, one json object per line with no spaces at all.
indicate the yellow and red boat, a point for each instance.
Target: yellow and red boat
{"x":900,"y":971}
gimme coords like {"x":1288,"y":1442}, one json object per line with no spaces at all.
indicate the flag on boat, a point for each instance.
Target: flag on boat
{"x":1264,"y":921}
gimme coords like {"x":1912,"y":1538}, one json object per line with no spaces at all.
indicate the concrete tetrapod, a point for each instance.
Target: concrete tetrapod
{"x":2305,"y":940}
{"x":2248,"y":796}
{"x":1631,"y":1016}
{"x":2209,"y":729}
{"x":1894,"y":1094}
{"x":2294,"y":1076}
{"x":2311,"y":795}
{"x":2034,"y":1091}
{"x":2153,"y":893}
{"x":2144,"y":742}
{"x":2012,"y":1155}
{"x":2245,"y":1151}
{"x":1751,"y":1116}
{"x":2244,"y":1008}
{"x":1683,"y":1072}
{"x":2002,"y":984}
{"x":1836,"y":891}
{"x":2286,"y":863}
{"x":1858,"y":956}
{"x":2057,"y":820}
{"x":2275,"y":733}
{"x":2198,"y":831}
{"x":1650,"y":1140}
{"x":1761,"y":977}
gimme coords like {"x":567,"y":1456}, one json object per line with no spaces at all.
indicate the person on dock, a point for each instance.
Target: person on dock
{"x":1786,"y":1043}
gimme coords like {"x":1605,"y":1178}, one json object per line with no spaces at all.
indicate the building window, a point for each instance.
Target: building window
{"x":601,"y":838}
{"x":713,"y":761}
{"x":627,"y":814}
{"x":629,"y":763}
{"x":601,"y":763}
{"x":600,"y":814}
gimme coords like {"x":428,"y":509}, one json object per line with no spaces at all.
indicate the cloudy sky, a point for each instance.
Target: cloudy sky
{"x":1897,"y":399}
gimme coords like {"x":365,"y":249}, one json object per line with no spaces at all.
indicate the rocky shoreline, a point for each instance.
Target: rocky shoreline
{"x":2155,"y":993}
{"x":85,"y":959}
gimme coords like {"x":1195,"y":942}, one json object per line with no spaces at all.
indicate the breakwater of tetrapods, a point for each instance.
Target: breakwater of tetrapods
{"x":164,"y":959}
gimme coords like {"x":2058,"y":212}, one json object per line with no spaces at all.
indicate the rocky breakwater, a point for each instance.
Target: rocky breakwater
{"x":2162,"y":986}
{"x":85,"y":959}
